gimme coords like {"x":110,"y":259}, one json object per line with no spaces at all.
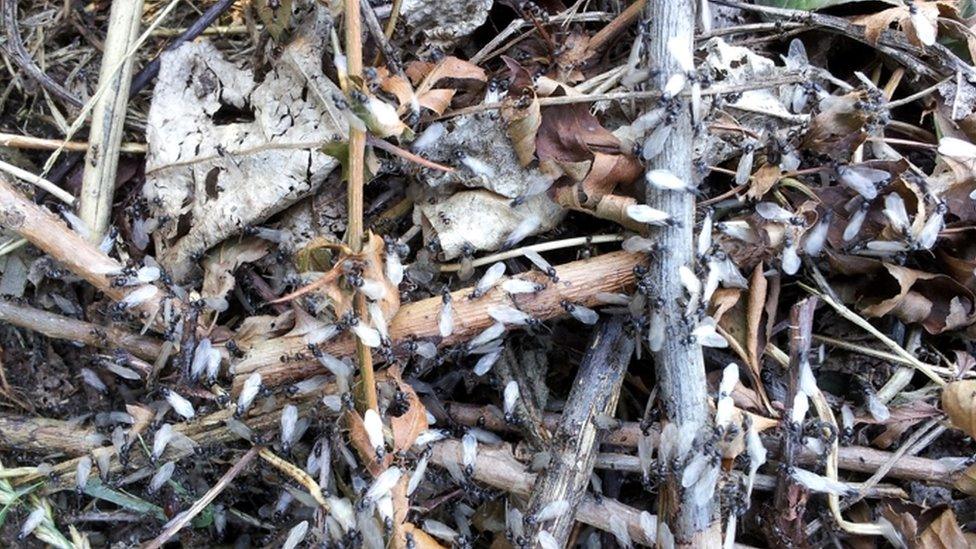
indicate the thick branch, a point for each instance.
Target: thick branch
{"x":579,"y":282}
{"x":62,"y":327}
{"x":679,"y":365}
{"x":207,"y":430}
{"x":45,"y":230}
{"x":46,"y":436}
{"x":576,"y":441}
{"x":860,"y":459}
{"x":497,"y":467}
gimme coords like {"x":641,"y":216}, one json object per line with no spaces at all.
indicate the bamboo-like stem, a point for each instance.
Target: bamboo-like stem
{"x":679,"y":365}
{"x":579,"y":282}
{"x":366,"y":387}
{"x":297,"y":474}
{"x":62,"y":327}
{"x":185,"y":517}
{"x":791,"y":524}
{"x":540,"y":247}
{"x":394,"y":16}
{"x":108,"y":118}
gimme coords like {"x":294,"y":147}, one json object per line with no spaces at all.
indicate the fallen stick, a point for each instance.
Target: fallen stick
{"x":62,"y":327}
{"x":679,"y":365}
{"x":46,"y":436}
{"x":39,"y":143}
{"x":287,"y":359}
{"x":497,"y":467}
{"x":108,"y":118}
{"x":45,"y":230}
{"x":576,"y":440}
{"x":185,"y":517}
{"x":40,"y":182}
{"x":858,"y":459}
{"x":208,"y":430}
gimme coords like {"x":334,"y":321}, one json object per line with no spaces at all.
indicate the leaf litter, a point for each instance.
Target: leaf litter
{"x":507,"y":138}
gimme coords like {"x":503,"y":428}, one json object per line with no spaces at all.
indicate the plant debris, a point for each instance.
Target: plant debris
{"x":479,"y":273}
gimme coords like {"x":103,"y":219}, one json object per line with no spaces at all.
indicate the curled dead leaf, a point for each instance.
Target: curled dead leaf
{"x":523,"y":125}
{"x":763,"y":180}
{"x":569,"y":133}
{"x":360,"y":441}
{"x":876,"y":23}
{"x":220,"y":264}
{"x":839,"y":128}
{"x":407,"y":426}
{"x":959,"y":403}
{"x":331,"y":285}
{"x":607,"y":172}
{"x":142,"y":416}
{"x":436,"y":100}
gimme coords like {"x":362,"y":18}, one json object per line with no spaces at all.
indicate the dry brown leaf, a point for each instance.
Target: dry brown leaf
{"x":943,"y":533}
{"x":922,"y":305}
{"x":965,"y":481}
{"x":723,"y":300}
{"x":754,"y":314}
{"x":411,"y":423}
{"x":961,"y":270}
{"x":959,"y":402}
{"x":877,"y":22}
{"x":360,"y":441}
{"x":451,"y":67}
{"x":903,"y":521}
{"x":901,"y":419}
{"x":763,"y":180}
{"x":607,"y":172}
{"x":839,"y":129}
{"x":935,"y":301}
{"x":422,"y":540}
{"x":400,"y":507}
{"x":756,"y":335}
{"x":220,"y":264}
{"x":142,"y":416}
{"x":569,"y":133}
{"x":331,"y":287}
{"x":523,"y":125}
{"x":437,"y":100}
{"x":573,"y":53}
{"x":395,"y":85}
